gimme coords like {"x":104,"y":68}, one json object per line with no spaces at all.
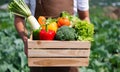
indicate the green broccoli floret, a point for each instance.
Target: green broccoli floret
{"x":65,"y":33}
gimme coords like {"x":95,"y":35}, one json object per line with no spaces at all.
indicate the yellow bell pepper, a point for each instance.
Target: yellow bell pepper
{"x":53,"y":26}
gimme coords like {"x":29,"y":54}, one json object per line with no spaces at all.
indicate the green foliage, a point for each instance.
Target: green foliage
{"x":12,"y":57}
{"x":105,"y":50}
{"x":4,"y":1}
{"x":104,"y":3}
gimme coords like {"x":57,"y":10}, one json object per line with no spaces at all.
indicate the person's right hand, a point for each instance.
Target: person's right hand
{"x":25,"y":40}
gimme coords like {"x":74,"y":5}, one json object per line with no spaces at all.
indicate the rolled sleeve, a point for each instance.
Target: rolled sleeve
{"x":83,"y":5}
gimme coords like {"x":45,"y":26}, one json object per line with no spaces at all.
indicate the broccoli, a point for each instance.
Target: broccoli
{"x":65,"y":33}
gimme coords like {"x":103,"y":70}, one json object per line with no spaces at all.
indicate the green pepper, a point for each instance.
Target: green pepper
{"x":36,"y":34}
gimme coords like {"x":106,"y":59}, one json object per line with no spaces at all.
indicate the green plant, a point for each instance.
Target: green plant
{"x":105,"y":50}
{"x":12,"y":57}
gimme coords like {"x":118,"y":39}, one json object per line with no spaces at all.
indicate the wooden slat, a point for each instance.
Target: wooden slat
{"x":58,"y":44}
{"x":58,"y":53}
{"x":50,"y":62}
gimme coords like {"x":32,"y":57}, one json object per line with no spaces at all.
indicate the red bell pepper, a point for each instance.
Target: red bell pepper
{"x":47,"y":35}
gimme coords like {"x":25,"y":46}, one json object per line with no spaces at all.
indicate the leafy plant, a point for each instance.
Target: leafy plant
{"x":105,"y":50}
{"x":12,"y":57}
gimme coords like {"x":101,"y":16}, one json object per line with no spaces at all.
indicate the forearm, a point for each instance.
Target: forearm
{"x":19,"y":25}
{"x":84,"y":15}
{"x":83,"y":9}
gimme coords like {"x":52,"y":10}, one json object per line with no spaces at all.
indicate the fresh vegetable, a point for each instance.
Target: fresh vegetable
{"x":73,"y":19}
{"x":34,"y":23}
{"x":19,"y":7}
{"x":65,"y":33}
{"x":84,"y":30}
{"x":51,"y":24}
{"x":36,"y":34}
{"x":63,"y":21}
{"x":65,"y":14}
{"x":47,"y":35}
{"x":41,"y":20}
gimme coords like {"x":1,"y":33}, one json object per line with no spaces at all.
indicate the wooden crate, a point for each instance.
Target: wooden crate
{"x":58,"y":53}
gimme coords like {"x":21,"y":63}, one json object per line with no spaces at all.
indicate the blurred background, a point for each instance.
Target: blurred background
{"x":105,"y":49}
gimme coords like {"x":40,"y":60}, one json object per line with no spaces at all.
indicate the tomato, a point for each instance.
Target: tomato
{"x":63,"y":21}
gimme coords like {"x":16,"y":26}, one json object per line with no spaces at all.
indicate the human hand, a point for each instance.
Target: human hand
{"x":25,"y":38}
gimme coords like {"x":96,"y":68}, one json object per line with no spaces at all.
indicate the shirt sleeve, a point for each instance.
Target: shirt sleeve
{"x":26,"y":1}
{"x":31,"y":4}
{"x":83,"y":5}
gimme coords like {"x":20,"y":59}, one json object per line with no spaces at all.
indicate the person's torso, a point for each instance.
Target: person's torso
{"x":53,"y":8}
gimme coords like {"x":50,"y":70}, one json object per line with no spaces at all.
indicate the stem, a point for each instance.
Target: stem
{"x":46,"y":27}
{"x":26,"y":7}
{"x":20,"y":8}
